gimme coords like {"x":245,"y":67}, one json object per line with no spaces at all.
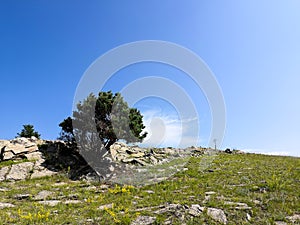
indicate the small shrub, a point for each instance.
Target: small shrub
{"x":28,"y":131}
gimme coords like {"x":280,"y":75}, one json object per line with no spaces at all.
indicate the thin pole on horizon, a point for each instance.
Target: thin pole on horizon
{"x":215,"y":141}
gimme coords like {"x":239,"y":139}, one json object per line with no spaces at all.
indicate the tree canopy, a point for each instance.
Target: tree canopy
{"x":28,"y":131}
{"x":107,"y":118}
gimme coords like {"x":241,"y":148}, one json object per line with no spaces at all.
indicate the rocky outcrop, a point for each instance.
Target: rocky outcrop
{"x":185,"y":211}
{"x":120,"y":152}
{"x":34,"y":158}
{"x":28,"y":148}
{"x":142,"y":156}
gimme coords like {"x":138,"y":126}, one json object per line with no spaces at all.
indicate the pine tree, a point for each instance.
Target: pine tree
{"x":28,"y":131}
{"x":112,"y":118}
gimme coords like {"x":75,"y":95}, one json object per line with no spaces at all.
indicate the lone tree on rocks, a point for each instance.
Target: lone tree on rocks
{"x":107,"y":118}
{"x":28,"y":131}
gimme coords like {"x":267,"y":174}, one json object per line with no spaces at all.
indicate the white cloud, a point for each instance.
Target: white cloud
{"x":283,"y":153}
{"x":166,"y":129}
{"x":270,"y":152}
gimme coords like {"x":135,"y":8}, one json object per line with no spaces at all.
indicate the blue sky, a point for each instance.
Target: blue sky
{"x":252,"y":47}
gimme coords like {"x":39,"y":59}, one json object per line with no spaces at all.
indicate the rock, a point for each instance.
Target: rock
{"x":42,"y":195}
{"x":134,"y":160}
{"x":149,"y":191}
{"x":217,"y":215}
{"x":153,"y":160}
{"x":168,"y":208}
{"x":256,"y":202}
{"x":196,"y":210}
{"x":34,"y":156}
{"x":111,"y":168}
{"x":22,"y":196}
{"x":295,"y":218}
{"x":113,"y":153}
{"x":50,"y":202}
{"x":20,"y":140}
{"x":243,"y":207}
{"x":210,"y":193}
{"x":129,"y":151}
{"x":16,"y":148}
{"x":32,"y":148}
{"x":107,"y":206}
{"x":3,"y":172}
{"x":60,"y":184}
{"x":3,"y":143}
{"x":72,"y":202}
{"x":169,"y":151}
{"x":248,"y":217}
{"x":6,"y":205}
{"x":147,"y":208}
{"x":33,"y":139}
{"x":228,"y":151}
{"x":42,"y":173}
{"x":123,"y":149}
{"x":144,"y":220}
{"x":138,"y":154}
{"x":206,"y":198}
{"x":91,"y":188}
{"x":7,"y":155}
{"x":73,"y":196}
{"x":4,"y":189}
{"x":141,"y":162}
{"x":141,"y":170}
{"x":238,"y":152}
{"x":238,"y":205}
{"x":2,"y":149}
{"x":104,"y":186}
{"x":19,"y":171}
{"x":280,"y":223}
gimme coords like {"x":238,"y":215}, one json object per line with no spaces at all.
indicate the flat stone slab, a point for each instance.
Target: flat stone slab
{"x":210,"y":193}
{"x":144,"y":220}
{"x":42,"y":173}
{"x":107,"y":206}
{"x":16,"y":148}
{"x":196,"y":210}
{"x":238,"y":205}
{"x":50,"y":202}
{"x":3,"y":143}
{"x":3,"y":172}
{"x":295,"y":218}
{"x":8,"y":155}
{"x":34,"y":156}
{"x":217,"y":214}
{"x":72,"y":202}
{"x":6,"y":205}
{"x":20,"y":171}
{"x":280,"y":223}
{"x":42,"y":195}
{"x":4,"y":189}
{"x":22,"y":196}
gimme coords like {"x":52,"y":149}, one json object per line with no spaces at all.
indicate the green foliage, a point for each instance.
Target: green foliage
{"x":66,"y":133}
{"x":107,"y":118}
{"x":28,"y":131}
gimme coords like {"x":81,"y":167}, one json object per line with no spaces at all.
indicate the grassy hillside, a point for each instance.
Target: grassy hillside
{"x":249,"y":188}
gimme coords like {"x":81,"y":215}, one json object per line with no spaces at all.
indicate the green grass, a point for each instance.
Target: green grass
{"x":270,"y":185}
{"x":12,"y":162}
